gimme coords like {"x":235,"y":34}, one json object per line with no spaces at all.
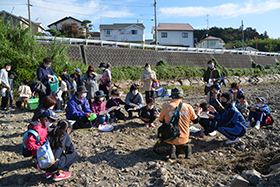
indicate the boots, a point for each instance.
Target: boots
{"x":188,"y":151}
{"x":172,"y":152}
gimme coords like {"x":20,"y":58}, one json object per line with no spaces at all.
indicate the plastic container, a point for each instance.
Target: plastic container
{"x":33,"y":103}
{"x":92,"y":117}
{"x":54,"y":86}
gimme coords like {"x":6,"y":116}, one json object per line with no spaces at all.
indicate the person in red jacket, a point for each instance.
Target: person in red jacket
{"x":46,"y":120}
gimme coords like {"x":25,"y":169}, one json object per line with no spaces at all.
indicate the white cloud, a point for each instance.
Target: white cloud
{"x":227,"y":10}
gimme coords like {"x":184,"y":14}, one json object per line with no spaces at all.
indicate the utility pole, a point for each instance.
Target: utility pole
{"x":242,"y":35}
{"x":29,"y":14}
{"x":155,"y":21}
{"x":207,"y":34}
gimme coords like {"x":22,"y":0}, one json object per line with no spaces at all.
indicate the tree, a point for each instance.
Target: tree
{"x":71,"y":30}
{"x":88,"y":27}
{"x":54,"y":32}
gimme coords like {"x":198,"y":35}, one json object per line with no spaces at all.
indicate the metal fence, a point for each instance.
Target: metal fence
{"x":104,"y":43}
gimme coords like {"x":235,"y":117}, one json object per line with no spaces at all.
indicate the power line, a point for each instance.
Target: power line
{"x":12,"y":4}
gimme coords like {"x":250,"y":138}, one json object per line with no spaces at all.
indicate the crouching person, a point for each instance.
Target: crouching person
{"x":187,"y":114}
{"x":231,"y":122}
{"x":63,"y":151}
{"x":149,"y":113}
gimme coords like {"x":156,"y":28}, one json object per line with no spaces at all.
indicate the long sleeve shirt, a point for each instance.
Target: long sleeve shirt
{"x":42,"y":74}
{"x":4,"y":77}
{"x":138,"y":100}
{"x":76,"y":107}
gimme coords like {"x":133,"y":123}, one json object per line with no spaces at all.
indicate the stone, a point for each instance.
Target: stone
{"x":252,"y":176}
{"x":162,"y":171}
{"x":218,"y":185}
{"x":274,"y":167}
{"x":239,"y":181}
{"x":160,"y":181}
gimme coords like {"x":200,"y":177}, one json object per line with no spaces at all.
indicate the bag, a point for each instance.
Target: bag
{"x":45,"y":156}
{"x":170,"y":131}
{"x":269,"y":120}
{"x":25,"y":151}
{"x":156,"y":84}
{"x":105,"y":81}
{"x":3,"y":85}
{"x":40,"y":88}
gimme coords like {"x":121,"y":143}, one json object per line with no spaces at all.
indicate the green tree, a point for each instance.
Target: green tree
{"x":88,"y":27}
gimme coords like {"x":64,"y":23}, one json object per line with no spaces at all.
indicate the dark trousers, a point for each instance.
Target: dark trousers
{"x":64,"y":162}
{"x":151,"y":117}
{"x":104,"y":89}
{"x":208,"y":125}
{"x":126,"y":107}
{"x":64,"y":98}
{"x":231,"y":130}
{"x":5,"y":100}
{"x":81,"y":122}
{"x":258,"y":116}
{"x":117,"y":114}
{"x":150,"y":94}
{"x":162,"y":147}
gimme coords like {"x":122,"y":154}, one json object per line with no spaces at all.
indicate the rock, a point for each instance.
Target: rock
{"x":252,"y":175}
{"x":218,"y":185}
{"x":274,"y":167}
{"x":160,"y":181}
{"x":162,"y":171}
{"x":239,"y":181}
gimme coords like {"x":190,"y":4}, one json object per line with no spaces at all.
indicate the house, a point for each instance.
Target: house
{"x":23,"y":22}
{"x":175,"y":34}
{"x":94,"y":35}
{"x":211,"y":42}
{"x":248,"y":48}
{"x":58,"y":24}
{"x":123,"y":32}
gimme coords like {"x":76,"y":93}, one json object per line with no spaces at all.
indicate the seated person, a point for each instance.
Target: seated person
{"x":258,"y":112}
{"x":63,"y":151}
{"x":134,"y":100}
{"x":242,"y":105}
{"x":98,"y":106}
{"x":115,"y":101}
{"x":235,"y":90}
{"x":231,"y":122}
{"x":47,"y":102}
{"x":214,"y":97}
{"x":78,"y":109}
{"x":207,"y":123}
{"x":149,"y":113}
{"x":25,"y":94}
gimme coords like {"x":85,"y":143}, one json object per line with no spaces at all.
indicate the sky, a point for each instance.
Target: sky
{"x":263,"y":15}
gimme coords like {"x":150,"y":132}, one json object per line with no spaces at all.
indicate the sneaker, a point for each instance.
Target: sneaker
{"x":258,"y":126}
{"x":233,"y":141}
{"x":152,"y":125}
{"x":188,"y":151}
{"x":172,"y":152}
{"x":61,"y":175}
{"x":213,"y":133}
{"x":48,"y":175}
{"x":105,"y":123}
{"x":147,"y":125}
{"x":248,"y":124}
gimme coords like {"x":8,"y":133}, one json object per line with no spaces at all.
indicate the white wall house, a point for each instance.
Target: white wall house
{"x":58,"y":24}
{"x":175,"y":34}
{"x":211,"y":42}
{"x":123,"y":32}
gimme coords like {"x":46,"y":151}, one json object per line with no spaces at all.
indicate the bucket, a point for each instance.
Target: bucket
{"x":54,"y":86}
{"x":92,"y":117}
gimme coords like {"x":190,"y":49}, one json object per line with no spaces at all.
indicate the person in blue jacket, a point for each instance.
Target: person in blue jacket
{"x":78,"y":109}
{"x":44,"y":74}
{"x":63,"y":151}
{"x":231,"y":122}
{"x":235,"y":90}
{"x":258,"y":112}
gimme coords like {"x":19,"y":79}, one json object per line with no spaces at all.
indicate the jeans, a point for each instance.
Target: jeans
{"x":102,"y":119}
{"x":257,"y":116}
{"x":11,"y":98}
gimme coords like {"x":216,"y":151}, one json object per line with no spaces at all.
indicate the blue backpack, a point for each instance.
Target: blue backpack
{"x":25,"y":151}
{"x":45,"y":156}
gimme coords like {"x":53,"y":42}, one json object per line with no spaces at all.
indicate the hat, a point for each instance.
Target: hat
{"x":115,"y":92}
{"x":109,"y":65}
{"x":49,"y":114}
{"x":133,"y":87}
{"x":177,"y":92}
{"x":217,"y":86}
{"x":99,"y":93}
{"x":260,"y":99}
{"x":12,"y":73}
{"x":227,"y":95}
{"x":59,"y":78}
{"x":102,"y":64}
{"x":81,"y":89}
{"x":47,"y":60}
{"x":78,"y":70}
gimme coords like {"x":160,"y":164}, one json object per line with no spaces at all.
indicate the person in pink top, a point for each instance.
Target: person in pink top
{"x":97,"y":106}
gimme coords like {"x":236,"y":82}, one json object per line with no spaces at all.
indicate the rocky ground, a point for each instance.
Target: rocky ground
{"x":124,"y":157}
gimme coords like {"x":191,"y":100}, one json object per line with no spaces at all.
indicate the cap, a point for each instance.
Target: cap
{"x":260,"y":99}
{"x":49,"y":114}
{"x":217,"y":86}
{"x":78,"y":70}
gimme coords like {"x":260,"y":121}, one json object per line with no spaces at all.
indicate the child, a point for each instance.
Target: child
{"x":73,"y":89}
{"x":235,"y":90}
{"x":46,"y":120}
{"x":63,"y":150}
{"x":11,"y":77}
{"x":207,"y":123}
{"x":25,"y":94}
{"x":149,"y":113}
{"x":222,"y":79}
{"x":214,"y":97}
{"x":97,"y":106}
{"x":258,"y":112}
{"x":115,"y":101}
{"x":242,"y":105}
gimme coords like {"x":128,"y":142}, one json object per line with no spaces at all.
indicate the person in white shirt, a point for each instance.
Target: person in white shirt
{"x":25,"y":94}
{"x":5,"y":86}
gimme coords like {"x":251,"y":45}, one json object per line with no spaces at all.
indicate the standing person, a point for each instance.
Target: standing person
{"x":105,"y":80}
{"x":62,"y":91}
{"x":25,"y":94}
{"x":90,"y":83}
{"x":73,"y":88}
{"x":66,"y":77}
{"x":11,"y":77}
{"x":80,"y":79}
{"x":187,"y":114}
{"x":5,"y":86}
{"x":133,"y":100}
{"x":148,"y":76}
{"x":210,"y":76}
{"x":44,"y":74}
{"x":149,"y":113}
{"x":231,"y":123}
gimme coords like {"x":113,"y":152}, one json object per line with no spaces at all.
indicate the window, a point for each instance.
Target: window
{"x":164,"y":34}
{"x":212,"y":43}
{"x":108,"y":32}
{"x":133,"y":31}
{"x":184,"y":35}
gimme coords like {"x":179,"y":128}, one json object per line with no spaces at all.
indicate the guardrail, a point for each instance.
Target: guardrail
{"x":104,"y":43}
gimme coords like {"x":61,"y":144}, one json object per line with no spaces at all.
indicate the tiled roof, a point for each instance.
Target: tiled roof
{"x":120,"y":26}
{"x":174,"y":27}
{"x":63,"y":20}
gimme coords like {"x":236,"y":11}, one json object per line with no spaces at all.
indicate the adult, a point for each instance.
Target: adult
{"x":47,"y":103}
{"x":210,"y":76}
{"x":80,"y":79}
{"x":11,"y":77}
{"x":133,"y":100}
{"x":214,"y":97}
{"x":90,"y":83}
{"x":231,"y":122}
{"x":148,"y":76}
{"x":44,"y":74}
{"x":187,"y":114}
{"x":5,"y":86}
{"x":105,"y":80}
{"x":98,"y":106}
{"x":78,"y":109}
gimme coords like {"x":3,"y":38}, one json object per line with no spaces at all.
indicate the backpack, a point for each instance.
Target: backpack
{"x":45,"y":156}
{"x":268,"y":120}
{"x":170,"y":131}
{"x":25,"y":151}
{"x":40,"y":88}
